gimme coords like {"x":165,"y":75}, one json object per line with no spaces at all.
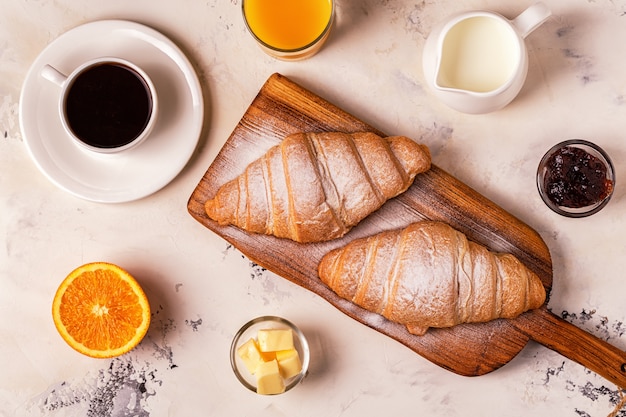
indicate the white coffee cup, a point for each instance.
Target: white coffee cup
{"x":106,"y":105}
{"x":477,"y":61}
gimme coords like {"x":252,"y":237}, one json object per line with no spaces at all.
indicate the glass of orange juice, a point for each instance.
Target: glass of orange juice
{"x":289,"y":29}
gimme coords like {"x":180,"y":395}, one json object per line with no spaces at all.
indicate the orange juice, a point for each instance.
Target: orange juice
{"x":288,"y":24}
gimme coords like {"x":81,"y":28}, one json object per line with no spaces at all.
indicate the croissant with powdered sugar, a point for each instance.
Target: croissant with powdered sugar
{"x":430,"y":275}
{"x":315,"y":187}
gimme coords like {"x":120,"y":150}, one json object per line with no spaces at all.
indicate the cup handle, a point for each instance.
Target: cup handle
{"x":51,"y":74}
{"x":531,"y":18}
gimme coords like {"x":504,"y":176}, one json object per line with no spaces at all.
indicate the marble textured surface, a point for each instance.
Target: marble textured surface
{"x":201,"y":289}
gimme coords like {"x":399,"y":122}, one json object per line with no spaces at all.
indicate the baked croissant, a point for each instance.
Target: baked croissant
{"x":430,"y":275}
{"x":314,"y":187}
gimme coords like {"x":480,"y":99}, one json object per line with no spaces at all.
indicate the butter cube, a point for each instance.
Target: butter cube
{"x":289,"y":363}
{"x":250,"y":355}
{"x":273,"y":340}
{"x":268,"y":379}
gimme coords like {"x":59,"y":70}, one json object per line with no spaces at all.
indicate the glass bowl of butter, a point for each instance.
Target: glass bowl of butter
{"x":269,"y":355}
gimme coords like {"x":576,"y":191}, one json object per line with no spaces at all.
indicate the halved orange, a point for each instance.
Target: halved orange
{"x":100,"y":310}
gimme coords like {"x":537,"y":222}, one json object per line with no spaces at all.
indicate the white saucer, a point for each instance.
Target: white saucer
{"x":135,"y":173}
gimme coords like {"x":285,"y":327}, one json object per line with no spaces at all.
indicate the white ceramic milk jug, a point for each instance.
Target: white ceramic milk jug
{"x":476,"y":62}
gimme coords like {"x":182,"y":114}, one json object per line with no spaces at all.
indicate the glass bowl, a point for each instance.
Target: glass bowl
{"x":576,"y":192}
{"x":249,"y":330}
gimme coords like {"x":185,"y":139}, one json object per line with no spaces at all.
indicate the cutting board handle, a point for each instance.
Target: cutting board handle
{"x":563,"y":337}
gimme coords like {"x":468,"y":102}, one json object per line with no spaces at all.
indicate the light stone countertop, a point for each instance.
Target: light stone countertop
{"x":202,"y":289}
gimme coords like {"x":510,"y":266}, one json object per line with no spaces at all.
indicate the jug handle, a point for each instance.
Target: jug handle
{"x":531,"y":18}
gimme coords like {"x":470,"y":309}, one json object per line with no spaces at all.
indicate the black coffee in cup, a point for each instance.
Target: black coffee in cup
{"x":108,"y":105}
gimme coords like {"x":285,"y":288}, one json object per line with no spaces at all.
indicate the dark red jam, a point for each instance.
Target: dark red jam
{"x":576,"y":178}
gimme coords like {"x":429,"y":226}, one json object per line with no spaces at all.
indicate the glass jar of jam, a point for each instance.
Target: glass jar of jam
{"x":575,"y":178}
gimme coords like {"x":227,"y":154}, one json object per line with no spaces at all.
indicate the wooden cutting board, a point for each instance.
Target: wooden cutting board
{"x":283,"y":107}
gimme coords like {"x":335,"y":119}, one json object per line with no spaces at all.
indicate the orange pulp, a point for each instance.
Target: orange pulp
{"x":100,"y":310}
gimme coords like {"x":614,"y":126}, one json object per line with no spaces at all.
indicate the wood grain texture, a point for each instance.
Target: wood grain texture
{"x":283,"y":107}
{"x":561,"y":336}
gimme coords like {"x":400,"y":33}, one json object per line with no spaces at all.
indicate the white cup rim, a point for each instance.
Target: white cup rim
{"x":68,"y":82}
